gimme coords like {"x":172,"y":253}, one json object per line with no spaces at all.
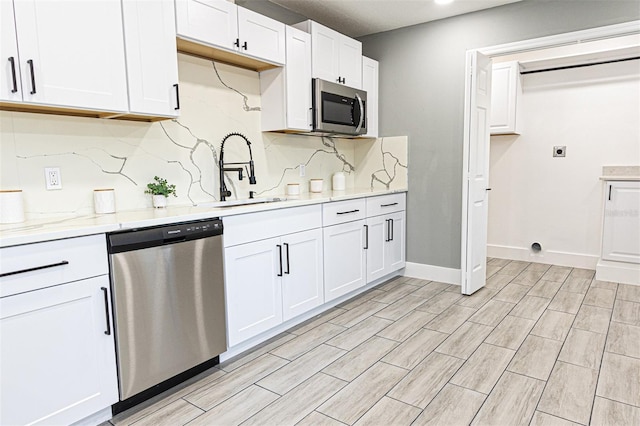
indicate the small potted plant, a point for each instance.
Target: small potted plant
{"x":160,"y":190}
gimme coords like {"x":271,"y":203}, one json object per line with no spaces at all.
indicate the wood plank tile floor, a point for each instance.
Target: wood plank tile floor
{"x":539,"y":345}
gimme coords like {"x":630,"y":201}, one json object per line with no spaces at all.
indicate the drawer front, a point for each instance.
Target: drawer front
{"x":386,"y":204}
{"x":244,"y":228}
{"x":343,"y":211}
{"x":51,"y":263}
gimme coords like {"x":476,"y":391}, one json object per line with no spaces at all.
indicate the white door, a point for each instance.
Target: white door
{"x":344,"y":259}
{"x":302,"y":281}
{"x":298,"y":79}
{"x":152,"y":63}
{"x":253,"y":288}
{"x":58,"y":364}
{"x":213,"y":22}
{"x":325,"y":52}
{"x":72,"y":53}
{"x":620,"y":241}
{"x":395,"y":247}
{"x":10,"y":83}
{"x":350,"y":62}
{"x":261,"y":36}
{"x":476,"y":172}
{"x":376,"y":237}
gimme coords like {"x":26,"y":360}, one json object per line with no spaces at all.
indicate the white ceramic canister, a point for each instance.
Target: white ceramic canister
{"x":11,"y":206}
{"x":104,"y":201}
{"x":315,"y":185}
{"x":339,"y":181}
{"x":293,"y":189}
{"x":159,"y":201}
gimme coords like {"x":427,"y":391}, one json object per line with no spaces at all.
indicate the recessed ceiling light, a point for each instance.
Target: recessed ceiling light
{"x":443,"y":1}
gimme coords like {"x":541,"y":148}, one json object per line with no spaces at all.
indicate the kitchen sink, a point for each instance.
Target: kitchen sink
{"x":245,"y":202}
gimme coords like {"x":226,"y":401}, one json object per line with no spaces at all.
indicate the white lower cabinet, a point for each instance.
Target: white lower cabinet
{"x":385,"y":245}
{"x":344,"y":259}
{"x":57,"y":360}
{"x":620,"y":241}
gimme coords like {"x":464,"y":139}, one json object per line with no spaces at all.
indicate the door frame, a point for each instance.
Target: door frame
{"x":564,"y":39}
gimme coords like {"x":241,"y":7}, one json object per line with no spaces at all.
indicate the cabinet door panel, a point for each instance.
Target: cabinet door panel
{"x":211,"y":21}
{"x":302,"y":282}
{"x":620,"y":240}
{"x":505,"y":89}
{"x":58,"y":365}
{"x":253,"y":289}
{"x":376,"y":253}
{"x":152,"y":64}
{"x":9,"y":56}
{"x":370,"y":84}
{"x":264,"y":37}
{"x":77,"y":52}
{"x":395,"y":248}
{"x":351,"y":62}
{"x":344,"y":259}
{"x":325,"y":53}
{"x":298,"y":79}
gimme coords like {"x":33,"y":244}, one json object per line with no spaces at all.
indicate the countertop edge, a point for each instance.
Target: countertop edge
{"x":617,"y":178}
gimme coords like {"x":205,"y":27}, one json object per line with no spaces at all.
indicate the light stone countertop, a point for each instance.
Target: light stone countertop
{"x":59,"y":227}
{"x":616,"y":173}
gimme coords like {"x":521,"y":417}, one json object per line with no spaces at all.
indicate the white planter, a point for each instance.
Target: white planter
{"x":159,"y":201}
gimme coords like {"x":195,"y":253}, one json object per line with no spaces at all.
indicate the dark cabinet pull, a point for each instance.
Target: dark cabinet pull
{"x":177,"y":86}
{"x":36,"y":268}
{"x":391,"y":227}
{"x":286,"y":246}
{"x":366,"y":237}
{"x":280,"y":256}
{"x":387,"y":239}
{"x":609,"y":192}
{"x":33,"y":77}
{"x":13,"y":74}
{"x":244,"y":45}
{"x":350,"y":211}
{"x":237,"y":43}
{"x":106,"y":310}
{"x":388,"y":205}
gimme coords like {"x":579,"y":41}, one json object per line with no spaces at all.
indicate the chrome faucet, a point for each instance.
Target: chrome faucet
{"x":224,"y":192}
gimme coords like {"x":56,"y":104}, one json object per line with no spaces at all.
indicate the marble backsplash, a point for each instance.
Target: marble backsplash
{"x":216,"y":99}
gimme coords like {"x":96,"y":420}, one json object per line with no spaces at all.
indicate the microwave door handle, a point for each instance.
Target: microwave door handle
{"x":361,"y":106}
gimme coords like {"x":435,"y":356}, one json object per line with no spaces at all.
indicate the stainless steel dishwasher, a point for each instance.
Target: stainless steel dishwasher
{"x":169,"y":305}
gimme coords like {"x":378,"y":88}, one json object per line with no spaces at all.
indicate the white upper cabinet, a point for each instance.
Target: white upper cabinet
{"x":71,"y":53}
{"x":286,"y":92}
{"x":152,"y":63}
{"x":506,"y":92}
{"x":370,"y":85}
{"x":222,"y":24}
{"x":10,"y":82}
{"x":621,"y":227}
{"x":335,"y":57}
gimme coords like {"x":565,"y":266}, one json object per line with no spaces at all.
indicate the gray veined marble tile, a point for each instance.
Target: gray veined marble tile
{"x":318,"y":419}
{"x":544,"y":419}
{"x":530,"y":307}
{"x":416,"y":281}
{"x":492,"y":270}
{"x":178,"y":412}
{"x":553,"y":325}
{"x":478,"y":298}
{"x":592,"y":318}
{"x":396,"y":294}
{"x":388,"y":411}
{"x":544,"y":288}
{"x":291,"y":375}
{"x":582,"y":273}
{"x":429,"y":290}
{"x":512,"y":293}
{"x":392,"y":283}
{"x":514,"y":267}
{"x":454,"y":406}
{"x":569,"y":392}
{"x":536,"y":357}
{"x":413,"y":350}
{"x":511,"y":332}
{"x":583,"y":348}
{"x":629,"y":292}
{"x":355,"y":399}
{"x":316,"y":321}
{"x":360,"y":359}
{"x":626,"y":312}
{"x":512,"y":402}
{"x":357,"y":314}
{"x":424,"y":382}
{"x":492,"y":313}
{"x":309,"y":340}
{"x":539,"y":267}
{"x":360,"y":332}
{"x":600,"y":297}
{"x":528,"y":277}
{"x":238,"y":408}
{"x":236,"y":362}
{"x":452,"y":318}
{"x":566,"y":302}
{"x":576,"y":285}
{"x":604,"y":284}
{"x":438,"y":303}
{"x":624,"y":339}
{"x":498,"y":281}
{"x":613,"y":413}
{"x":620,"y":379}
{"x":483,"y":369}
{"x":402,"y":329}
{"x":557,"y":274}
{"x":499,"y":262}
{"x":444,"y":286}
{"x":401,"y":307}
{"x":299,"y":402}
{"x":465,"y":340}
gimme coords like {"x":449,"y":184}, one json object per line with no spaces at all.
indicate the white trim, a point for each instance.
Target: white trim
{"x":462,"y":278}
{"x":619,"y":272}
{"x":432,"y":273}
{"x":574,"y":260}
{"x":95,"y":418}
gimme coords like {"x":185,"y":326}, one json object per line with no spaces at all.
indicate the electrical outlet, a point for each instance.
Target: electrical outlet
{"x":52,"y":177}
{"x":302,"y":168}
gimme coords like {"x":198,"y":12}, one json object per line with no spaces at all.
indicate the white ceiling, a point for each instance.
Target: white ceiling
{"x":362,"y":17}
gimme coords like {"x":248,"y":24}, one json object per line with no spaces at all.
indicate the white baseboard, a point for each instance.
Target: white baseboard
{"x":432,"y":273}
{"x":574,"y":260}
{"x":619,"y":272}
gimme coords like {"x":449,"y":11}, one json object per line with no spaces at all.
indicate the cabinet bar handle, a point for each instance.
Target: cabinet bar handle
{"x":350,"y":211}
{"x":237,"y":43}
{"x":366,"y":237}
{"x":286,"y":246}
{"x":244,"y":45}
{"x":388,"y":205}
{"x":106,"y":310}
{"x":391,"y":227}
{"x":36,"y":268}
{"x":610,"y":192}
{"x":13,"y":74}
{"x":33,"y":77}
{"x":388,"y":232}
{"x":280,"y":255}
{"x":177,"y":96}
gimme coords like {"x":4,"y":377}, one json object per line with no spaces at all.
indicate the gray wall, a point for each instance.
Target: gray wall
{"x":422,"y":96}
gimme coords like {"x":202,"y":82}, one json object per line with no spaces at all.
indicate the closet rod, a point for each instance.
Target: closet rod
{"x":579,"y":65}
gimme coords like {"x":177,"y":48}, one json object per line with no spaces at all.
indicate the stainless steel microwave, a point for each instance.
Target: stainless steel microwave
{"x":338,"y":109}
